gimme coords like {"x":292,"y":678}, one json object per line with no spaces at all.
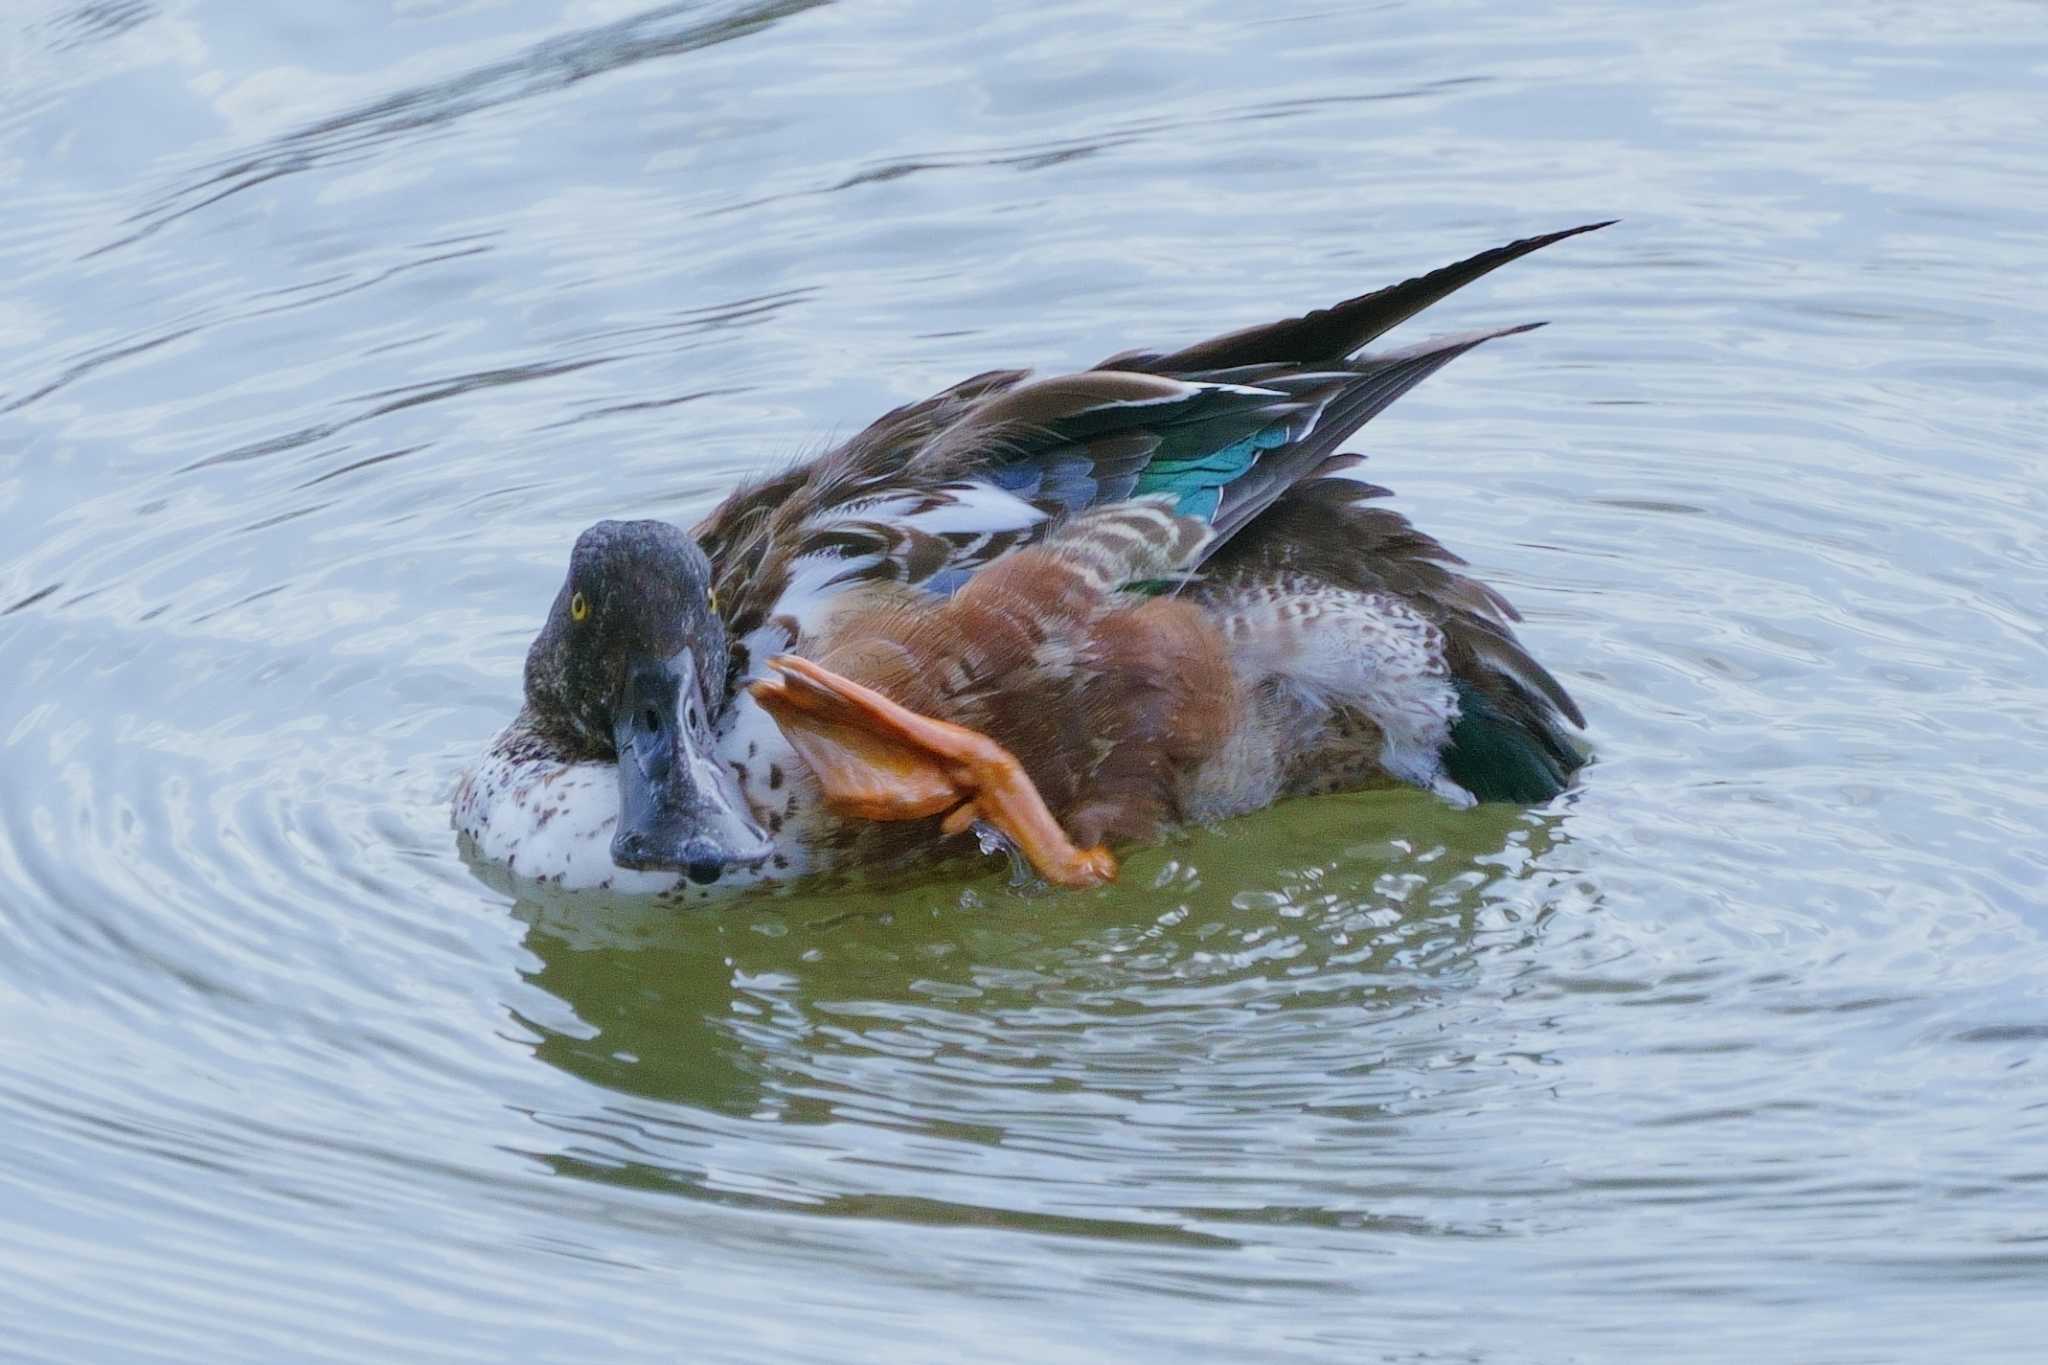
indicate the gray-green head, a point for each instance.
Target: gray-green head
{"x":631,"y":668}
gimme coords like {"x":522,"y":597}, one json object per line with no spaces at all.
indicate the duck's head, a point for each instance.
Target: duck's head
{"x":632,"y":667}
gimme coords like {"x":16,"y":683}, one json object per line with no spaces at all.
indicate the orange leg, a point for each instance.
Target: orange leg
{"x":881,"y":761}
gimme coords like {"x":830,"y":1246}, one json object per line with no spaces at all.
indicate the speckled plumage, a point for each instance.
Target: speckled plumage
{"x":1150,"y":581}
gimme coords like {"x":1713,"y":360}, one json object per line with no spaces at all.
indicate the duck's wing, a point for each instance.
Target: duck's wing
{"x":932,"y":493}
{"x":1225,"y":443}
{"x":783,"y":549}
{"x":1226,"y":425}
{"x":934,"y":490}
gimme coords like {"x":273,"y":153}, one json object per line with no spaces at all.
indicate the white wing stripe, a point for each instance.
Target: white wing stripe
{"x":974,"y":509}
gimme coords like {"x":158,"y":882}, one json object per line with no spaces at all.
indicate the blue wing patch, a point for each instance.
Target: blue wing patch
{"x":1199,"y":480}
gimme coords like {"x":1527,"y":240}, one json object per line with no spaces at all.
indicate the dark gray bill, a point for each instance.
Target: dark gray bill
{"x":678,"y":809}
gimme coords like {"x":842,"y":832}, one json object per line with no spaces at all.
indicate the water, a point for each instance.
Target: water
{"x":324,"y":331}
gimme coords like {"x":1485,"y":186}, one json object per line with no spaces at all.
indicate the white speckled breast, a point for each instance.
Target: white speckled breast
{"x":544,"y":820}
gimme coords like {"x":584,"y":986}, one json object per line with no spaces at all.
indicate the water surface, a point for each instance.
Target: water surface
{"x":325,"y":330}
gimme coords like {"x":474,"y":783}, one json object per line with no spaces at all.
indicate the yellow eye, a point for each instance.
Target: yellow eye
{"x":711,"y":596}
{"x":579,"y":607}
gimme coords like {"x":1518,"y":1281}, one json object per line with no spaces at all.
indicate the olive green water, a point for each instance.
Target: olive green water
{"x":325,"y":327}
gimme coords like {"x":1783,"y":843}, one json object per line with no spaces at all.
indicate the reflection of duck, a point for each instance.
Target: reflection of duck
{"x":1063,"y":612}
{"x":768,"y":1014}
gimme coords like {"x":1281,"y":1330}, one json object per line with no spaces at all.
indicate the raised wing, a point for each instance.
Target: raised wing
{"x":934,"y":490}
{"x":1225,"y":442}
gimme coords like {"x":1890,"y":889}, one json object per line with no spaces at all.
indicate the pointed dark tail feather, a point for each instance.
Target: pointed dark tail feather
{"x":1377,"y":381}
{"x":1331,"y":334}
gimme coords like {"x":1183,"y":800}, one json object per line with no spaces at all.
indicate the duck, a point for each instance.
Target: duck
{"x":1047,"y":617}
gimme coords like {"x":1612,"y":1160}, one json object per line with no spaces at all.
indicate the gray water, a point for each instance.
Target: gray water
{"x":324,"y":328}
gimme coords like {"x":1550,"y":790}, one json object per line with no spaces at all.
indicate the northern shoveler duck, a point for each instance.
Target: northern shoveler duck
{"x":1064,"y":613}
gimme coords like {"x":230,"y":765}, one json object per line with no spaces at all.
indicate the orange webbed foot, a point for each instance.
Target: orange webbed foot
{"x":878,"y":760}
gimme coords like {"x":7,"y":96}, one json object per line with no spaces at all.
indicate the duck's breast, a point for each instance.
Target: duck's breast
{"x":542,"y":819}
